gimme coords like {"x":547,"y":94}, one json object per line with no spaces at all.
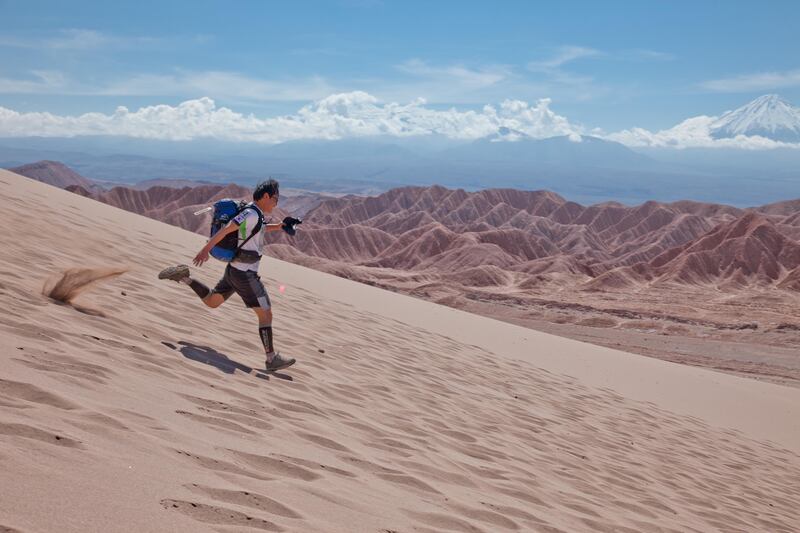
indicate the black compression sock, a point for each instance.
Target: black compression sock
{"x":266,"y":338}
{"x":201,"y":290}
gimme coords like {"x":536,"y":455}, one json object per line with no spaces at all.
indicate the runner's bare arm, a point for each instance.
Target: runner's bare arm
{"x":202,"y":256}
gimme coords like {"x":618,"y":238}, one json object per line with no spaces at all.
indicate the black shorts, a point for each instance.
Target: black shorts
{"x":245,"y":283}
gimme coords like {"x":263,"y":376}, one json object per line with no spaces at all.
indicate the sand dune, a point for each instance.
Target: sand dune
{"x":400,"y":415}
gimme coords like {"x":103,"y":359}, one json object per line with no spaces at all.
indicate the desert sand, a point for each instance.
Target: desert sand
{"x":134,"y":408}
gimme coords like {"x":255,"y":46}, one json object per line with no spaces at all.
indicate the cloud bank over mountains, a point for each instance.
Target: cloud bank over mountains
{"x":695,"y":132}
{"x":359,"y":114}
{"x":354,"y":114}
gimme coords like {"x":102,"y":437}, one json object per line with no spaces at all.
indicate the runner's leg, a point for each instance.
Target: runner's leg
{"x":214,"y":299}
{"x":248,"y":285}
{"x":265,"y":328}
{"x":221,"y":292}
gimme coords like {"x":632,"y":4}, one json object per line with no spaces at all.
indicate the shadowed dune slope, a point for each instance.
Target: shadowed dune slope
{"x":400,"y":415}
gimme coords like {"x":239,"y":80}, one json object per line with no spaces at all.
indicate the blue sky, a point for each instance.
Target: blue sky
{"x":611,"y":65}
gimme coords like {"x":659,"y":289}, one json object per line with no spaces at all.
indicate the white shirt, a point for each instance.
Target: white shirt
{"x":247,"y":220}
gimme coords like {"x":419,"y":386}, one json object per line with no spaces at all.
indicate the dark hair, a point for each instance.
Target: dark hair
{"x":269,"y":187}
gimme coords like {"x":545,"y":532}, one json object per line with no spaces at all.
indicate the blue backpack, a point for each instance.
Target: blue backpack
{"x":229,"y":248}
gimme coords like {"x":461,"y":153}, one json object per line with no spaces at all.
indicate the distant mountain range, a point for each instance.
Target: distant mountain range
{"x":586,"y":168}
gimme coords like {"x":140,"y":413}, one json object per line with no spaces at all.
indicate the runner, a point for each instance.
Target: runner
{"x":241,"y":274}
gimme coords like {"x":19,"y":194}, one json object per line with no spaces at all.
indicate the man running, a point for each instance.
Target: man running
{"x":241,"y":274}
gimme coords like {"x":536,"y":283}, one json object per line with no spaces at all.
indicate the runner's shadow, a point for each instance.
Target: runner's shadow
{"x":209,"y":356}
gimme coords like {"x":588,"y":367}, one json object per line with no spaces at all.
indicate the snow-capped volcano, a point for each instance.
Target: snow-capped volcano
{"x":768,"y":116}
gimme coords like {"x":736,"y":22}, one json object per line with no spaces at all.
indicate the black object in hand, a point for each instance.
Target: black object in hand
{"x":289,"y":225}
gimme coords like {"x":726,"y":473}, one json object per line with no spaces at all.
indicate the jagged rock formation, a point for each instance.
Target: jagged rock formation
{"x":539,"y":237}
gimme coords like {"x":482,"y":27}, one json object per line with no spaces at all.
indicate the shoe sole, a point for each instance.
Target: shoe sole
{"x":286,"y":365}
{"x":174,"y":273}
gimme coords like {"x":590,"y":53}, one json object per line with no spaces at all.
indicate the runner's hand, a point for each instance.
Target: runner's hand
{"x":200,"y":258}
{"x":289,"y":225}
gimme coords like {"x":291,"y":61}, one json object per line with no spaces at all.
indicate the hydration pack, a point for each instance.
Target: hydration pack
{"x":229,"y":248}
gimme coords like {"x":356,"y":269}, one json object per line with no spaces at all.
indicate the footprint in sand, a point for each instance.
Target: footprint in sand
{"x":276,"y":467}
{"x":223,"y":407}
{"x":408,"y":481}
{"x":443,"y":521}
{"x":497,"y":520}
{"x":212,"y":514}
{"x":437,"y":474}
{"x":31,"y":393}
{"x":312,"y":465}
{"x":64,"y":365}
{"x":29,"y":432}
{"x":367,"y":466}
{"x":458,"y":435}
{"x":298,"y":406}
{"x":223,"y":467}
{"x":102,"y":425}
{"x":506,"y":510}
{"x":324,"y":442}
{"x":216,"y":423}
{"x":245,"y":499}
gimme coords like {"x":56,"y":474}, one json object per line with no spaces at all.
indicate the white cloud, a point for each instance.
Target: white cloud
{"x":762,"y":81}
{"x":337,"y":116}
{"x":41,"y":82}
{"x":694,"y":132}
{"x":442,"y":84}
{"x":567,"y":54}
{"x":563,"y":55}
{"x":562,"y":82}
{"x":458,"y":74}
{"x":649,"y":55}
{"x":230,"y":86}
{"x":318,"y":51}
{"x":355,"y":114}
{"x":77,"y":39}
{"x":450,"y":84}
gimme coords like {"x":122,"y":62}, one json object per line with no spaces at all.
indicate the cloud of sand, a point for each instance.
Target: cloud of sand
{"x":69,"y":284}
